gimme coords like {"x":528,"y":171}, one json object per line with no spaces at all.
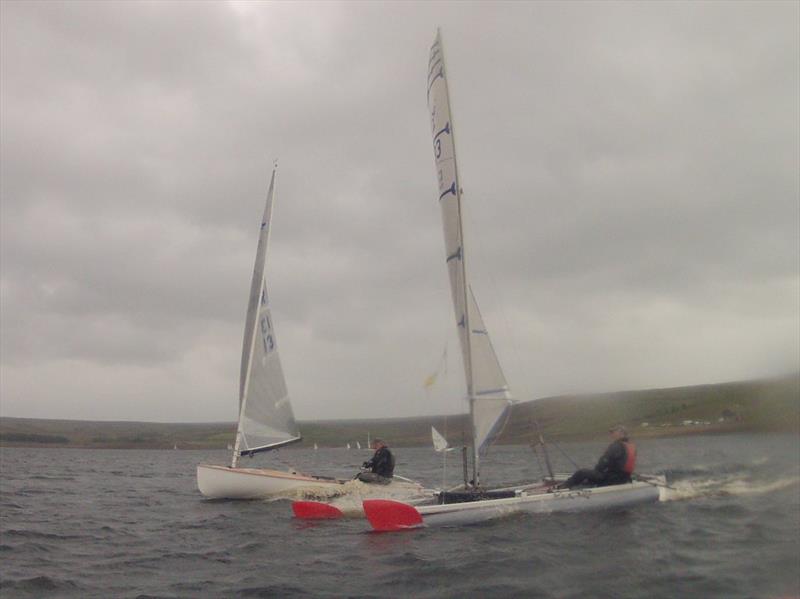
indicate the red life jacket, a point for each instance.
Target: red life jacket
{"x":630,"y":459}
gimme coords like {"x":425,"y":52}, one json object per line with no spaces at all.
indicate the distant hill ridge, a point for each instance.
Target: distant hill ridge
{"x":770,"y":405}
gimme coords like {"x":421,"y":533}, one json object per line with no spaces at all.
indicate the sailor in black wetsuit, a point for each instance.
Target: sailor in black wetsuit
{"x":614,"y":467}
{"x":381,"y":466}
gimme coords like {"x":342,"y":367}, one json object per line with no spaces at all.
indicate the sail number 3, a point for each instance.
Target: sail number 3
{"x":266,"y":334}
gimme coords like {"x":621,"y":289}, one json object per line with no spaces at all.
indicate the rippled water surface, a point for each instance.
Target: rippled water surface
{"x":117,"y":523}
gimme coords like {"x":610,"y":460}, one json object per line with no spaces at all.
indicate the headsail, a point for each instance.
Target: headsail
{"x":486,"y":385}
{"x":266,"y":419}
{"x":492,"y":398}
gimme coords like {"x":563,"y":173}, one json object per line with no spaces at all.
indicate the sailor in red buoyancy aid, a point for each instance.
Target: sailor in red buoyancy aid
{"x":613,"y":468}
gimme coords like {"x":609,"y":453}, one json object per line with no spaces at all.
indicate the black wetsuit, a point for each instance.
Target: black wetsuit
{"x":610,"y":468}
{"x":382,"y":463}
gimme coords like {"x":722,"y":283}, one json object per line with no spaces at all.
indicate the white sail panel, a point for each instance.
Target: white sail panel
{"x":439,"y":442}
{"x":265,"y":412}
{"x":267,"y":417}
{"x":490,"y":393}
{"x":449,"y":193}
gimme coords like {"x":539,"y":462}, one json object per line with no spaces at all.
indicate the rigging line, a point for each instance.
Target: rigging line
{"x":564,"y":453}
{"x":522,"y":387}
{"x":467,"y":214}
{"x":544,"y":448}
{"x":534,"y":446}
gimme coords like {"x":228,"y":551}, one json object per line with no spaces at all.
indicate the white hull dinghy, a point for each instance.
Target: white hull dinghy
{"x":224,"y":482}
{"x":488,"y":393}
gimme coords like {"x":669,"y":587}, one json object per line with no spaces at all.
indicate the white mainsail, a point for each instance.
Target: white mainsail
{"x":266,"y":419}
{"x":487,"y":390}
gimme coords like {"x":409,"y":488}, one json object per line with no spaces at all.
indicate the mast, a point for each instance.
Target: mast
{"x":465,"y":290}
{"x":438,"y":62}
{"x":487,"y":390}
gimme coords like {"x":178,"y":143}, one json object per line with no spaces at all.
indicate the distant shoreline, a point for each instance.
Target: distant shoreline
{"x":672,"y":434}
{"x":761,"y":406}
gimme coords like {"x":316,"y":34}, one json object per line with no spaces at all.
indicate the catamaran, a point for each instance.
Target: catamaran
{"x":489,"y":396}
{"x":266,"y":419}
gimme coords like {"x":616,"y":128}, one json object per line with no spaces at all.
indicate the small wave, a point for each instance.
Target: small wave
{"x":687,"y":472}
{"x":33,"y":534}
{"x":31,"y":492}
{"x":700,"y":470}
{"x":215,"y":522}
{"x":750,"y":488}
{"x":40,"y":584}
{"x":279,"y":590}
{"x":26,"y":548}
{"x":727,"y":486}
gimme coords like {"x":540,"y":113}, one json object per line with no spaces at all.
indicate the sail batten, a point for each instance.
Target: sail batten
{"x":487,"y":390}
{"x":266,"y":419}
{"x":254,"y":450}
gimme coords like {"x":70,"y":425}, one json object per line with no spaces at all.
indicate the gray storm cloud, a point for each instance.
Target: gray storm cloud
{"x":630,"y":175}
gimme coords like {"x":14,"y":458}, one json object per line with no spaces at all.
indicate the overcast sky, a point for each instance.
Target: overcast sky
{"x":630,"y":174}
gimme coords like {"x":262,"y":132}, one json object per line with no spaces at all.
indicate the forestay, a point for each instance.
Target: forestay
{"x":266,"y":420}
{"x":487,"y":389}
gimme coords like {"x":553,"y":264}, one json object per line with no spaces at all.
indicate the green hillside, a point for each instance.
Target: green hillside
{"x":758,"y":406}
{"x":750,"y":406}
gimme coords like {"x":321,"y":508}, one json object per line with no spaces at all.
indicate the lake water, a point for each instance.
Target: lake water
{"x":125,"y":523}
